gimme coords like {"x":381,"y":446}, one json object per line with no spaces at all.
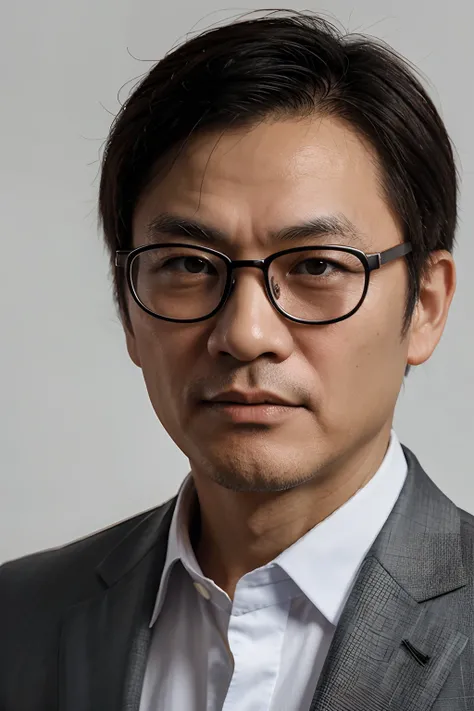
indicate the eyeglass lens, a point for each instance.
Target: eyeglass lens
{"x":185,"y":283}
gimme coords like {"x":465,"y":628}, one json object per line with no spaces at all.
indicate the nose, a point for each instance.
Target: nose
{"x":248,"y":326}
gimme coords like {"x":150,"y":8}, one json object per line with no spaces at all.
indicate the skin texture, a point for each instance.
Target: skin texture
{"x":260,"y":488}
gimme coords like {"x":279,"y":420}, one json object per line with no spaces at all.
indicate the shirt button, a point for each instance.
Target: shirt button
{"x":202,"y":590}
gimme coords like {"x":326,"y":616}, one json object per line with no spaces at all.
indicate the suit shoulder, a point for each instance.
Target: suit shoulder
{"x":67,"y":564}
{"x":38,"y":590}
{"x":467,"y":522}
{"x":467,"y":540}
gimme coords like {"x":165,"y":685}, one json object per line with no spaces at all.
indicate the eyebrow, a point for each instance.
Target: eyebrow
{"x":335,"y":225}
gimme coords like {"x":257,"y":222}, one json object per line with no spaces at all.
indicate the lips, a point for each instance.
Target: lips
{"x":254,"y":410}
{"x":237,"y":397}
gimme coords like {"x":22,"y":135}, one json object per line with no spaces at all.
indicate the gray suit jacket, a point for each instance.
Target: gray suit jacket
{"x":74,"y":622}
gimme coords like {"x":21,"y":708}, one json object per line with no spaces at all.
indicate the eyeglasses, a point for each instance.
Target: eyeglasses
{"x":315,"y":285}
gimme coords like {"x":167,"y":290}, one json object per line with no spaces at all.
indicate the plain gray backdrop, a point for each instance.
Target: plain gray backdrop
{"x":81,"y":447}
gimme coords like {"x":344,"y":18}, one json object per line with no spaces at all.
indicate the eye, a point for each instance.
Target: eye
{"x":189,"y":265}
{"x":314,"y":267}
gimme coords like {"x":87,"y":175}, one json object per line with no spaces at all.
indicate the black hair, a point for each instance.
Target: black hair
{"x":286,"y":64}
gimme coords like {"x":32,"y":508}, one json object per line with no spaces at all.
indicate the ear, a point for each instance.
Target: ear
{"x":132,"y":346}
{"x":431,"y":312}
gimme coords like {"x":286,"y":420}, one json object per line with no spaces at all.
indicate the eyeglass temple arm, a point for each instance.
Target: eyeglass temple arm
{"x":380,"y":258}
{"x":121,"y":257}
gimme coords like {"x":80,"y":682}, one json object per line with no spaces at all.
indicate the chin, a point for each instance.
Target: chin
{"x":263,"y":470}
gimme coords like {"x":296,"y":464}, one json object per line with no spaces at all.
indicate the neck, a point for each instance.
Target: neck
{"x":235,"y":532}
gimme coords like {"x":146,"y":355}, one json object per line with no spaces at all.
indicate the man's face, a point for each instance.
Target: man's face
{"x":342,"y":379}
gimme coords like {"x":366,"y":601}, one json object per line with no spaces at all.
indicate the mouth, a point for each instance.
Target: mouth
{"x":250,"y":408}
{"x":256,"y":397}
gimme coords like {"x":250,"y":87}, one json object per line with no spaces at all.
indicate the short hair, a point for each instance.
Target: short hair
{"x":283,"y":65}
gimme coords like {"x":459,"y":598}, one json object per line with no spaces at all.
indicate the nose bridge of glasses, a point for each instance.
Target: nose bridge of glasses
{"x":252,"y":263}
{"x":235,"y":264}
{"x":260,"y":264}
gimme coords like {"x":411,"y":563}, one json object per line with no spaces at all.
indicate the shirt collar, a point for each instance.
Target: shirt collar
{"x":337,"y":546}
{"x":179,"y":543}
{"x":325,"y":561}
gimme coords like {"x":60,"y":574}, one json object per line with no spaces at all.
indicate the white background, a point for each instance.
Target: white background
{"x":80,"y":445}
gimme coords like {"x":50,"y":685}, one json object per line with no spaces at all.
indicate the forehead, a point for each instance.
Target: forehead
{"x":261,"y":178}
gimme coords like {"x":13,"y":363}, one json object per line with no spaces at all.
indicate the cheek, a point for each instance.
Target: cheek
{"x":376,"y":329}
{"x":168,"y":353}
{"x":358,"y":365}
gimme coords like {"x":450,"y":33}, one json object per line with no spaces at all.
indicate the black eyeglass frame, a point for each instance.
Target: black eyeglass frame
{"x":124,"y":259}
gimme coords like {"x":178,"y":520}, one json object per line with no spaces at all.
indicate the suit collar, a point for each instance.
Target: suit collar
{"x":369,"y":666}
{"x":137,"y":543}
{"x":104,"y":639}
{"x":395,"y":615}
{"x":420,"y":544}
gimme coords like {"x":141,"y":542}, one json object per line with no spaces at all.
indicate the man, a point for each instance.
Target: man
{"x":279,"y":202}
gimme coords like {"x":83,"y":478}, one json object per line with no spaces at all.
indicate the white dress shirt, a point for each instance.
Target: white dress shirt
{"x":264,"y":650}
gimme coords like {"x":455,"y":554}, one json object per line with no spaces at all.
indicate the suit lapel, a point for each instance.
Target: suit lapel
{"x":368,"y":668}
{"x":391,"y":648}
{"x":104,"y":640}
